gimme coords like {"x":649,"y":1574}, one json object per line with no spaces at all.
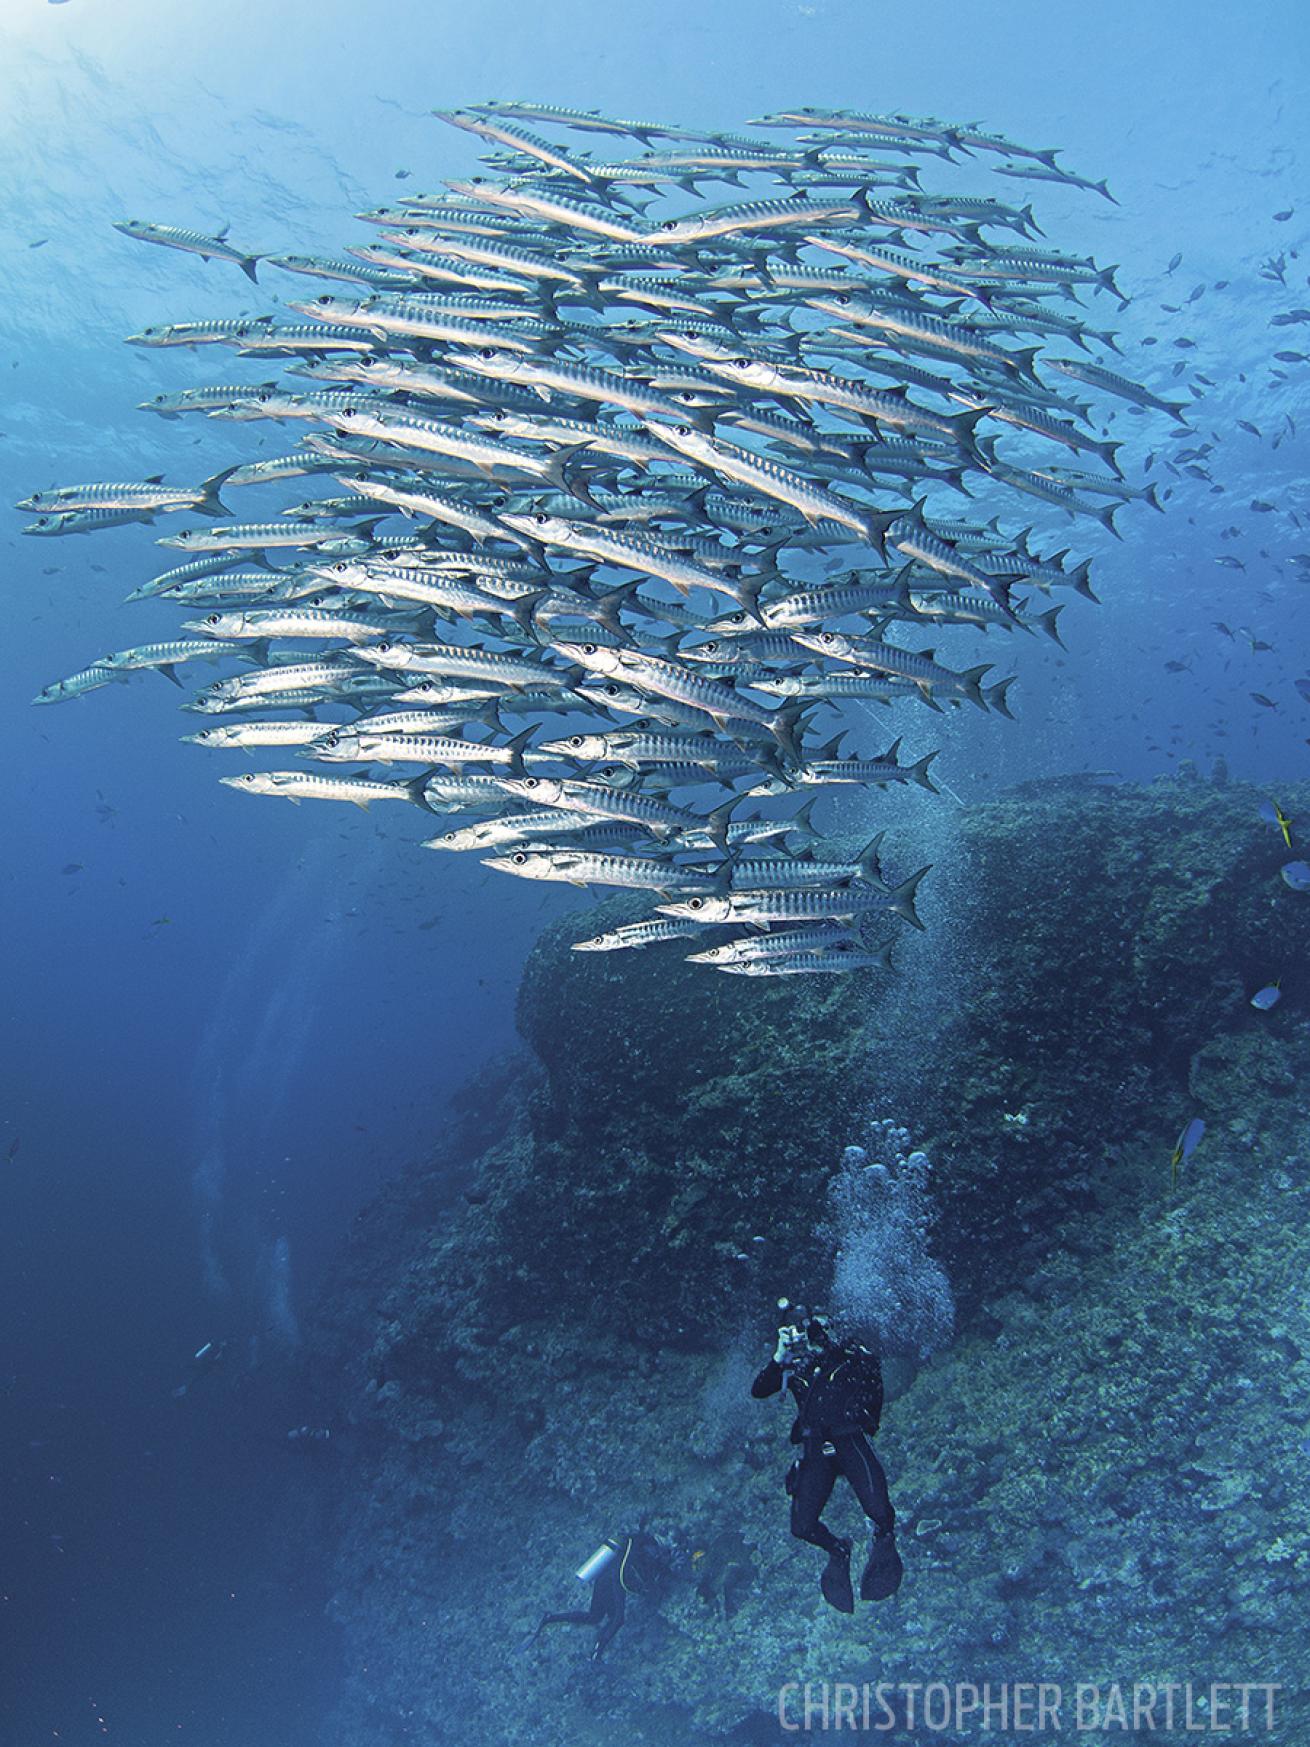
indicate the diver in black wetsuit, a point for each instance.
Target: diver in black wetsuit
{"x":623,"y":1566}
{"x":837,"y":1389}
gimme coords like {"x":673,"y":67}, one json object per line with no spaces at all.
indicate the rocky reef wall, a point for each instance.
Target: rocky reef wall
{"x":547,"y":1333}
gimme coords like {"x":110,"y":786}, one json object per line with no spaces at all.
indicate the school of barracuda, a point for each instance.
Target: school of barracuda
{"x":673,"y":488}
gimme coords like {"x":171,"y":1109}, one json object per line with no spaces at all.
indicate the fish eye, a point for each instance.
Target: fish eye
{"x":682,"y":430}
{"x":741,"y":363}
{"x":575,"y":740}
{"x":696,"y":903}
{"x":842,"y":297}
{"x":248,"y":778}
{"x":670,"y":224}
{"x":487,"y":352}
{"x":382,"y":648}
{"x":589,"y":648}
{"x":518,"y":858}
{"x":531,"y":782}
{"x":212,"y":619}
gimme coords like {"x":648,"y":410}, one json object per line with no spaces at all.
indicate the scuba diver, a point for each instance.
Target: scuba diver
{"x":209,"y":1357}
{"x":622,"y":1566}
{"x":837,"y":1388}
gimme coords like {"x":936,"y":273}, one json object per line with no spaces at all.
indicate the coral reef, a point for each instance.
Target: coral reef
{"x":545,"y":1334}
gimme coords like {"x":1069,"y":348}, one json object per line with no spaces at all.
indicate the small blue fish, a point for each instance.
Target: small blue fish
{"x":1267,"y":997}
{"x":1297,"y":875}
{"x":1188,"y":1141}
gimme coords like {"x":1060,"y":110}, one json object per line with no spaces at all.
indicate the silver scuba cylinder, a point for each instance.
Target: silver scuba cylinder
{"x":600,"y":1560}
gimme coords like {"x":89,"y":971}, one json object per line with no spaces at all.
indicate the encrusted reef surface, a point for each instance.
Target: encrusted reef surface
{"x":547,"y":1333}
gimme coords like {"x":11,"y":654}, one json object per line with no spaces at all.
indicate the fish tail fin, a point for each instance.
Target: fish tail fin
{"x":972,"y":686}
{"x":1102,"y":187}
{"x":606,"y":609}
{"x":417,"y":788}
{"x":785,"y":724}
{"x":1025,"y":361}
{"x":868,"y":863}
{"x":903,"y":896}
{"x":746,"y":592}
{"x":1081,"y":578}
{"x":804,"y":820}
{"x":1109,"y":453}
{"x":997,"y":697}
{"x":717,"y":822}
{"x":877,"y":525}
{"x":1151,"y":496}
{"x":515,"y":750}
{"x":964,"y":426}
{"x":1047,"y":623}
{"x":211,"y":504}
{"x":918,"y":772}
{"x":1105,"y":517}
{"x":1030,"y":224}
{"x":247,"y":264}
{"x":559,"y":473}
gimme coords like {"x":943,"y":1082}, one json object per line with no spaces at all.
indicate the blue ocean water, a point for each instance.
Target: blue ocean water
{"x":224,"y":1023}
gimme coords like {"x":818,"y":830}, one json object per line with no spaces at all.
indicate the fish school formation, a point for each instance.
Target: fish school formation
{"x":628,"y":494}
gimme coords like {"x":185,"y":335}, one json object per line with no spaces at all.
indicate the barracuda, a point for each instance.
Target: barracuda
{"x":353,"y":745}
{"x":837,"y":903}
{"x":297,"y":337}
{"x":900,"y":266}
{"x":172,"y":406}
{"x":439,"y":506}
{"x":759,"y":215}
{"x":631,"y":747}
{"x":455,"y":662}
{"x":626,"y":551}
{"x":598,"y":799}
{"x":550,"y":209}
{"x":76,"y":685}
{"x":248,"y":536}
{"x":209,"y":248}
{"x":410,"y":430}
{"x":592,"y":412}
{"x":920,"y":667}
{"x":517,"y":139}
{"x":412,"y":319}
{"x":637,"y":934}
{"x":165,"y":657}
{"x":353,"y":272}
{"x":546,"y":377}
{"x":304,"y":785}
{"x":731,"y":461}
{"x":781,"y":944}
{"x":579,"y":868}
{"x":297,"y":623}
{"x":241,"y":736}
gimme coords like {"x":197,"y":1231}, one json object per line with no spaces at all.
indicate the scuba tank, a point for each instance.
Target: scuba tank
{"x":600,"y":1560}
